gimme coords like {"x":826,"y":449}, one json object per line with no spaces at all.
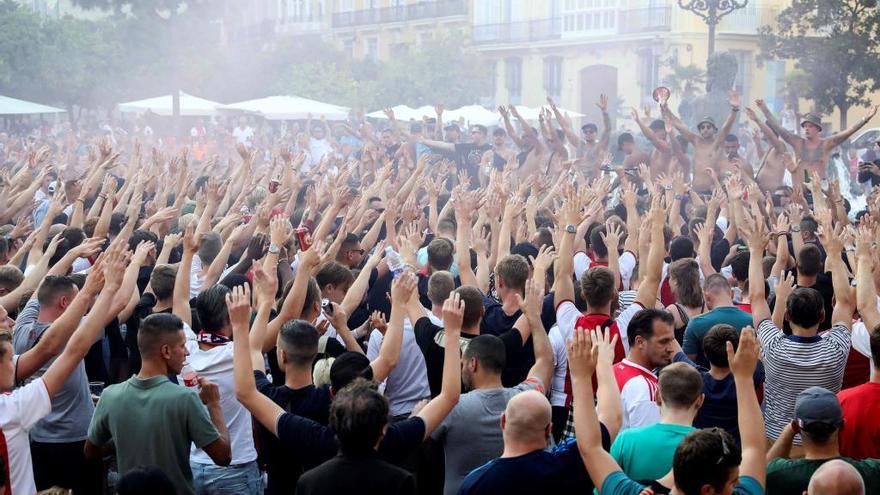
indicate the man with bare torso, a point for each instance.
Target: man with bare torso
{"x":812,"y":151}
{"x":667,"y":156}
{"x":591,"y":148}
{"x":708,"y":144}
{"x":771,"y":169}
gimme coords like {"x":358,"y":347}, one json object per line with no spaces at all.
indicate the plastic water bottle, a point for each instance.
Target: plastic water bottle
{"x":190,"y":377}
{"x":395,"y":263}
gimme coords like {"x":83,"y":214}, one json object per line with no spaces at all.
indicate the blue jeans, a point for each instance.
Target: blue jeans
{"x":241,"y":479}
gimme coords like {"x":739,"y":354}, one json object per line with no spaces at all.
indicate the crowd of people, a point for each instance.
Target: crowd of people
{"x":343,"y":309}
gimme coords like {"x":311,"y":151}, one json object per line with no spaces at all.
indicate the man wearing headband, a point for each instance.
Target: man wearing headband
{"x":708,"y":144}
{"x":591,"y":147}
{"x":811,"y":150}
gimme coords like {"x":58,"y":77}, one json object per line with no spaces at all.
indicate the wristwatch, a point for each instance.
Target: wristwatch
{"x":571,"y":229}
{"x":274,"y":249}
{"x":795,"y":228}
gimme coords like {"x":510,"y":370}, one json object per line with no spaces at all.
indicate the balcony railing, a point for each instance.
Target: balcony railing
{"x":646,"y":20}
{"x":401,"y":13}
{"x":539,"y":30}
{"x":626,"y":21}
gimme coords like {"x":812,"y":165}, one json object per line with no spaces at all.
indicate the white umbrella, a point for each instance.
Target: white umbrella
{"x":290,"y":108}
{"x":473,"y":114}
{"x":404,"y":113}
{"x":190,"y":106}
{"x":13,"y":106}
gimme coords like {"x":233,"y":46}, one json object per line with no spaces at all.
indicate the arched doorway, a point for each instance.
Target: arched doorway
{"x":597,"y":80}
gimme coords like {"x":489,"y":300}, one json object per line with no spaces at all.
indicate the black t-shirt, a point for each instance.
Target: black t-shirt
{"x":826,"y":288}
{"x":283,"y":462}
{"x":431,"y":340}
{"x":558,"y":471}
{"x":316,"y":443}
{"x":470,"y":157}
{"x":366,"y":475}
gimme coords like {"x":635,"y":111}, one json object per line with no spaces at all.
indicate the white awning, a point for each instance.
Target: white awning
{"x":190,"y":106}
{"x":13,"y":106}
{"x":289,"y":108}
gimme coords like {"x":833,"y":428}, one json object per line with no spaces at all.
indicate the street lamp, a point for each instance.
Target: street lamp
{"x":711,"y":11}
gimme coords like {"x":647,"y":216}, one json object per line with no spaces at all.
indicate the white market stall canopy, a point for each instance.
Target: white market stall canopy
{"x":13,"y":106}
{"x":190,"y":106}
{"x":404,"y":113}
{"x":290,"y":108}
{"x":472,"y":114}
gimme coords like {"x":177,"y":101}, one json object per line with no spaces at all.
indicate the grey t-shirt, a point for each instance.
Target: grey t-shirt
{"x":471,"y":434}
{"x":72,"y":406}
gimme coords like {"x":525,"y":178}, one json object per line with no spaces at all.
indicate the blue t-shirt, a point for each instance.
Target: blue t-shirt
{"x":698,"y":328}
{"x":617,"y":483}
{"x":560,"y":470}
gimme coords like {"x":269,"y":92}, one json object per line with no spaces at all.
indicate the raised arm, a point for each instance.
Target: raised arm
{"x":572,"y":136}
{"x":261,"y":407}
{"x":180,"y":298}
{"x":450,"y":389}
{"x":505,"y":116}
{"x":678,"y":124}
{"x":389,"y":353}
{"x":844,"y":305}
{"x":606,"y":122}
{"x":749,"y":416}
{"x":838,"y":138}
{"x":292,"y":306}
{"x":733,"y":99}
{"x":771,"y":137}
{"x":774,"y":124}
{"x":866,"y":293}
{"x":756,"y":237}
{"x":438,"y":145}
{"x":543,"y":367}
{"x":653,"y":266}
{"x":661,"y":145}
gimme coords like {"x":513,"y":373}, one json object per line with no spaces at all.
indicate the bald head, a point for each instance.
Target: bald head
{"x":527,"y":419}
{"x":836,"y":477}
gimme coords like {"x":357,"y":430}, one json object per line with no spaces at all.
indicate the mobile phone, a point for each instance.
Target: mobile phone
{"x":273,"y":185}
{"x":327,"y":306}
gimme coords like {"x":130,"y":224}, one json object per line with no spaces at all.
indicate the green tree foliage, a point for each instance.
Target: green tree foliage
{"x":834,"y":43}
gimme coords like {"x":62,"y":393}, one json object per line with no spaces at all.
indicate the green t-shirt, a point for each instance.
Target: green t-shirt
{"x":793,"y":475}
{"x":659,"y":439}
{"x":698,"y":328}
{"x":152,"y":422}
{"x":617,"y":483}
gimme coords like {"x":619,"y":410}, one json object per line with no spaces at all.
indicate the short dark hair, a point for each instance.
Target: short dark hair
{"x":819,"y":432}
{"x":731,"y":138}
{"x":347,"y":367}
{"x":642,"y":323}
{"x":716,"y":282}
{"x":440,"y":253}
{"x":809,"y":224}
{"x":715,"y":344}
{"x":5,"y":338}
{"x":211,"y":308}
{"x":489,"y":351}
{"x":739,"y":265}
{"x":596,"y":242}
{"x":145,"y":480}
{"x":480,"y":128}
{"x":53,"y":287}
{"x":299,"y":341}
{"x":348,"y":243}
{"x":358,"y":415}
{"x":706,"y":456}
{"x":805,"y":307}
{"x":162,"y":281}
{"x":809,"y":260}
{"x":335,"y":273}
{"x":624,"y":138}
{"x":598,"y":286}
{"x":10,"y":277}
{"x":71,"y":237}
{"x":117,"y":220}
{"x":157,"y":329}
{"x":875,"y":345}
{"x":140,"y":235}
{"x":680,"y":385}
{"x":681,"y":247}
{"x":473,"y":305}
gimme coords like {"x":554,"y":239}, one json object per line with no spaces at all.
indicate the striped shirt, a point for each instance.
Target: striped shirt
{"x":793,"y":364}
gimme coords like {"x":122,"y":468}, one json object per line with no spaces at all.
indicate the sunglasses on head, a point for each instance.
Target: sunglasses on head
{"x":725,"y":450}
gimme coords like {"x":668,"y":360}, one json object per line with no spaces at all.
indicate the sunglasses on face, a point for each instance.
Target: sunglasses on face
{"x":704,"y":126}
{"x":358,"y":251}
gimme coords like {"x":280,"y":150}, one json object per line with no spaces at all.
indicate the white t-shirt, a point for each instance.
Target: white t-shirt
{"x":19,"y":412}
{"x":560,"y":366}
{"x":861,"y":342}
{"x":215,"y":364}
{"x":626,"y":263}
{"x":318,"y":148}
{"x":243,"y":136}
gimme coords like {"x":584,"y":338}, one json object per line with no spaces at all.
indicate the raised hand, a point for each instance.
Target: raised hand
{"x":238,"y":304}
{"x":142,"y":252}
{"x":191,"y":241}
{"x":784,"y":288}
{"x":453,"y":311}
{"x":583,"y":354}
{"x":733,"y":98}
{"x":402,"y":288}
{"x":743,"y":362}
{"x":603,"y":103}
{"x":377,"y":322}
{"x":606,"y":344}
{"x":612,"y":235}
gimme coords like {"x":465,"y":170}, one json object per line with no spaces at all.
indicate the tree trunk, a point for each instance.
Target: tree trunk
{"x":843,"y":111}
